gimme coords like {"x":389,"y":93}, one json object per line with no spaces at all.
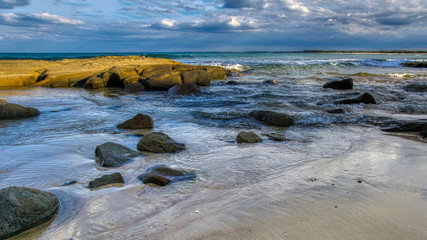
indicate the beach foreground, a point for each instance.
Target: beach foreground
{"x":328,"y":176}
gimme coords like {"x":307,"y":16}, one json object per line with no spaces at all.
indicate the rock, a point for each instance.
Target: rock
{"x":114,"y":155}
{"x":335,"y":110}
{"x":150,"y":71}
{"x":140,"y":121}
{"x":247,"y":137}
{"x":216,"y":73}
{"x":366,"y":98}
{"x":131,"y":79}
{"x":114,"y":76}
{"x":416,"y":87}
{"x":154,"y":178}
{"x":232,"y":82}
{"x":134,"y":87}
{"x":158,"y":142}
{"x":162,"y":175}
{"x":94,"y":82}
{"x":276,"y":137}
{"x":424,"y":134}
{"x":105,"y":180}
{"x":273,"y":118}
{"x":415,"y":64}
{"x":163,"y":81}
{"x":271,"y":82}
{"x":15,"y":111}
{"x":198,"y":77}
{"x":24,"y":208}
{"x":185,"y":89}
{"x":407,"y":126}
{"x":340,"y":84}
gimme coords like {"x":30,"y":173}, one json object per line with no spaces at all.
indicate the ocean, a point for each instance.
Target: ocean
{"x":336,"y":176}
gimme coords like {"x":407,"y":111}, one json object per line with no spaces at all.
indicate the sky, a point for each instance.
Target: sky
{"x":211,"y":25}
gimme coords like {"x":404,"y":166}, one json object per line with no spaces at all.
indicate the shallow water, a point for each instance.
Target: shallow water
{"x":337,"y":177}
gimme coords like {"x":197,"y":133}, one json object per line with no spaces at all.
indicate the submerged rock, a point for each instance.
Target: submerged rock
{"x":273,"y":118}
{"x":114,"y":155}
{"x":276,"y":137}
{"x":185,"y":89}
{"x":415,"y":64}
{"x":271,"y":82}
{"x":140,"y":121}
{"x":105,"y":180}
{"x":248,"y":137}
{"x":416,"y":87}
{"x":365,"y":98}
{"x":340,"y":84}
{"x":134,"y":87}
{"x":158,"y":142}
{"x":335,"y":110}
{"x":407,"y":126}
{"x":15,"y":111}
{"x":162,"y":175}
{"x":24,"y":208}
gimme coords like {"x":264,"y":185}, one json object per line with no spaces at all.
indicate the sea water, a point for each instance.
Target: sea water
{"x":337,"y":176}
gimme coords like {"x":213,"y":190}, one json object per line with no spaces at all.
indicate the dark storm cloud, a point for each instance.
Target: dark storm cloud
{"x":10,"y":4}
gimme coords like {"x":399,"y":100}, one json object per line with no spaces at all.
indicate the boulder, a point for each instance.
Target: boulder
{"x":366,"y":98}
{"x":134,"y":87}
{"x":24,"y":208}
{"x":340,"y":84}
{"x":232,"y":82}
{"x":94,"y":82}
{"x":271,"y":82}
{"x":114,"y":76}
{"x":15,"y":111}
{"x":335,"y":110}
{"x":158,"y":142}
{"x":247,"y":137}
{"x":105,"y":180}
{"x":163,"y":81}
{"x":150,"y":71}
{"x":162,"y":175}
{"x":273,"y":118}
{"x":131,"y":79}
{"x":140,"y":121}
{"x":276,"y":137}
{"x":185,"y":89}
{"x":415,"y":64}
{"x":416,"y":87}
{"x":114,"y":155}
{"x":198,"y":77}
{"x":216,"y":73}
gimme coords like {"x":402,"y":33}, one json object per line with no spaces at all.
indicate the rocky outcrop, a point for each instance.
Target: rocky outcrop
{"x":248,"y":137}
{"x":416,"y":87}
{"x":158,"y":142}
{"x":273,"y":118}
{"x":365,"y":98}
{"x":114,"y":155}
{"x":105,"y":180}
{"x":339,"y":84}
{"x":162,"y":175}
{"x":415,"y":64}
{"x":185,"y":89}
{"x":15,"y":111}
{"x":24,"y":208}
{"x":140,"y":121}
{"x":115,"y":71}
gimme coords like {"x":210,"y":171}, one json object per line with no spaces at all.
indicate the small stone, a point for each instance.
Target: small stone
{"x":340,"y":84}
{"x":105,"y":180}
{"x":154,"y":178}
{"x":248,"y":137}
{"x":158,"y":142}
{"x":140,"y":121}
{"x":114,"y":155}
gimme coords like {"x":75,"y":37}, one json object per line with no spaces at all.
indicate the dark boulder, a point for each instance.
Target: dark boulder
{"x":114,"y":155}
{"x":366,"y":98}
{"x":94,"y":82}
{"x":162,"y":175}
{"x":105,"y":180}
{"x":232,"y":82}
{"x":185,"y":89}
{"x":24,"y":208}
{"x":276,"y":137}
{"x":134,"y":87}
{"x":273,"y":118}
{"x":248,"y":137}
{"x":416,"y":87}
{"x":339,"y":84}
{"x":415,"y":64}
{"x":335,"y":110}
{"x":158,"y":142}
{"x":15,"y":111}
{"x":140,"y":121}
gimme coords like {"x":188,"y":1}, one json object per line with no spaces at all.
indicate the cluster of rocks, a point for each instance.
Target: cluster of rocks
{"x":347,"y":84}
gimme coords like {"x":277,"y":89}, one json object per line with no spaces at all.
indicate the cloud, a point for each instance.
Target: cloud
{"x":10,"y":4}
{"x":35,"y":20}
